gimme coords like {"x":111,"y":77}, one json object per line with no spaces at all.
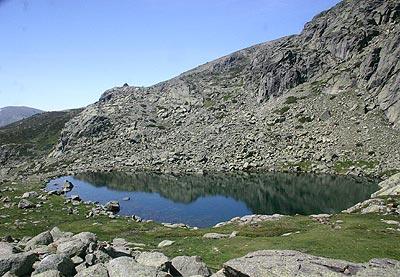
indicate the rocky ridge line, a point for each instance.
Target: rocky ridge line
{"x":325,"y":100}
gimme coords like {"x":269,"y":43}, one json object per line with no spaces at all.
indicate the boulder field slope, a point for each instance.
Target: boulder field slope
{"x":325,"y":100}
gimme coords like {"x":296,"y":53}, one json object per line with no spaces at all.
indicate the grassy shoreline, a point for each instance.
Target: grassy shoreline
{"x":354,"y":237}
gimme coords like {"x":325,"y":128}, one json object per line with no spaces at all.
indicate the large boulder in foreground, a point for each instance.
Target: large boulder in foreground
{"x":98,"y":270}
{"x":391,"y":186}
{"x":126,"y":266}
{"x":44,"y":238}
{"x":49,"y":273}
{"x":56,"y":262}
{"x":86,"y":237}
{"x":190,"y":266}
{"x":294,"y":263}
{"x":73,"y":247}
{"x":8,"y":249}
{"x":18,"y":264}
{"x":77,"y":245}
{"x":154,"y":259}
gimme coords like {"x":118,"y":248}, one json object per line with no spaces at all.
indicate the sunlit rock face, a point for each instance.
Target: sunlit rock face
{"x":327,"y":95}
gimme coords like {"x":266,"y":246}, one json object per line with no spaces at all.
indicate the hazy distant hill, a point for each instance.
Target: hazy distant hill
{"x":9,"y":115}
{"x":32,"y":137}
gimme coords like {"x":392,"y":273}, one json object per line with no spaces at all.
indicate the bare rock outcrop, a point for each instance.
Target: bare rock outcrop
{"x":389,"y":187}
{"x":261,"y":107}
{"x":293,"y":263}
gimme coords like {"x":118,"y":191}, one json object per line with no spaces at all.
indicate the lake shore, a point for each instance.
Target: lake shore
{"x":365,"y":236}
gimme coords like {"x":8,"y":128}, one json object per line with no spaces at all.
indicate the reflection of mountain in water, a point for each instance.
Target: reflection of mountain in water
{"x":262,"y":193}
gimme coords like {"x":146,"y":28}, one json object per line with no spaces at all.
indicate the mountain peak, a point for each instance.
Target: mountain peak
{"x":11,"y":114}
{"x":266,"y":106}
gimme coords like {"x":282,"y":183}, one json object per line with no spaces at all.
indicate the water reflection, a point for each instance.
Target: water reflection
{"x":207,"y":200}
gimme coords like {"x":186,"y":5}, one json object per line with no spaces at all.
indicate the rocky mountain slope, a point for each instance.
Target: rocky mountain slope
{"x":326,"y":100}
{"x":10,"y":115}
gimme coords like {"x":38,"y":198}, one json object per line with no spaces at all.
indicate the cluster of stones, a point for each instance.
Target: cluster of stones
{"x":250,"y":219}
{"x":326,"y":220}
{"x":109,"y":209}
{"x":6,"y":200}
{"x":57,"y":253}
{"x":389,"y":206}
{"x":66,"y":187}
{"x":24,"y":202}
{"x":385,"y":201}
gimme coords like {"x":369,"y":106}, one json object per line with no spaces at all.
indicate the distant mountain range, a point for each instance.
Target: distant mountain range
{"x":10,"y":114}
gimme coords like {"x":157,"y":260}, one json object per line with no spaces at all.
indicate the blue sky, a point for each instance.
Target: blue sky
{"x":58,"y":54}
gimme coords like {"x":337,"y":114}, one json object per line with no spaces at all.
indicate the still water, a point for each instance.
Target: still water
{"x":206,"y":200}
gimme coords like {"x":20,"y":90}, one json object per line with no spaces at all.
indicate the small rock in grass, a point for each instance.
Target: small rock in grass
{"x":26,"y":204}
{"x":214,"y":236}
{"x":165,"y":243}
{"x":30,"y":194}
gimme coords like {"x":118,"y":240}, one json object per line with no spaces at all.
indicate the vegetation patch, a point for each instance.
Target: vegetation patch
{"x":302,"y":166}
{"x":227,"y":97}
{"x":208,"y":103}
{"x":305,"y":119}
{"x":343,"y":166}
{"x":36,"y":135}
{"x":291,"y":100}
{"x":316,"y":87}
{"x":390,"y":172}
{"x":282,"y":110}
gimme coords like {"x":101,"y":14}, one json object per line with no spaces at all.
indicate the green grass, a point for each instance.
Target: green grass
{"x":361,"y":237}
{"x":282,"y":110}
{"x":36,"y":135}
{"x":291,"y":100}
{"x":390,"y":172}
{"x":208,"y":103}
{"x":317,"y":86}
{"x":343,"y":166}
{"x":304,"y":165}
{"x":227,"y":97}
{"x":305,"y":119}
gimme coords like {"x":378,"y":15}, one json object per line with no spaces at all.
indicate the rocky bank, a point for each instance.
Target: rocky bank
{"x":56,"y":253}
{"x":384,"y":201}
